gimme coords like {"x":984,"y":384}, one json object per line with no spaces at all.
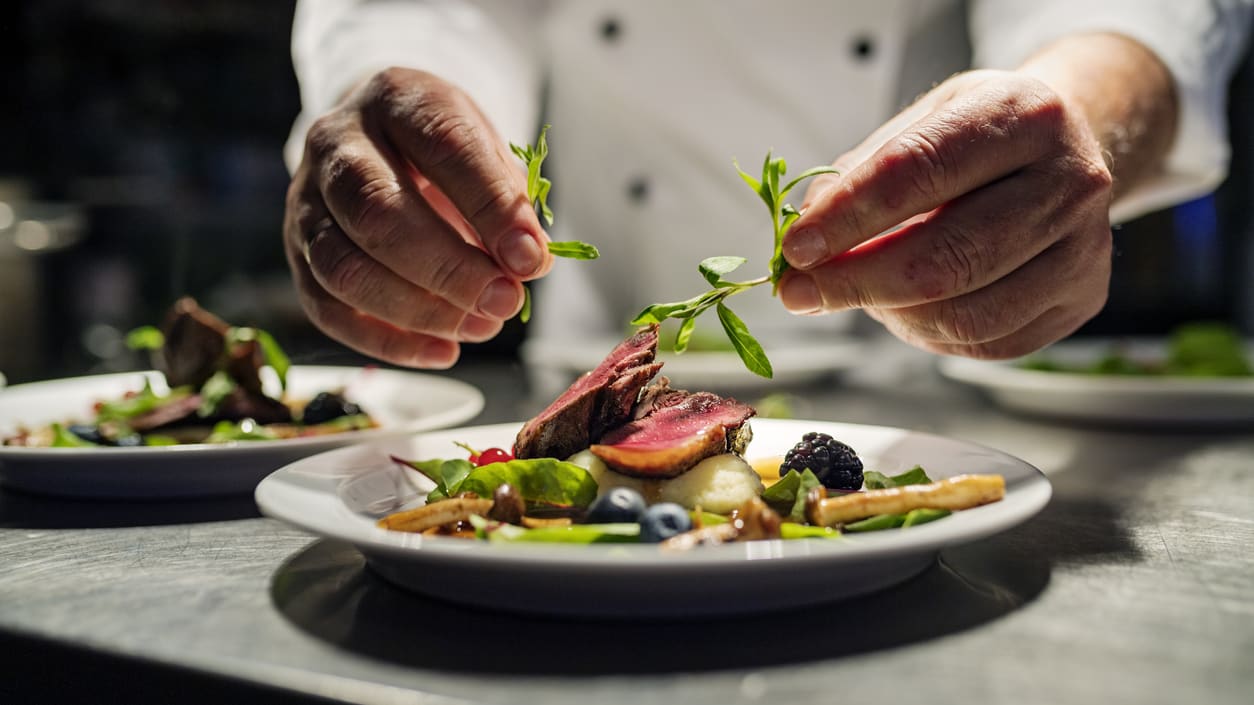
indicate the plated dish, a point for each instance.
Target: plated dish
{"x":342,"y":494}
{"x":1159,"y":400}
{"x":399,"y":402}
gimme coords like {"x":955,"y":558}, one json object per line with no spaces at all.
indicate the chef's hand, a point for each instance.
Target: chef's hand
{"x":999,"y":193}
{"x":408,"y":229}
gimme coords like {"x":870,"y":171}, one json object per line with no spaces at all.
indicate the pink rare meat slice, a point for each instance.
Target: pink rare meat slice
{"x":673,"y":431}
{"x":598,"y":401}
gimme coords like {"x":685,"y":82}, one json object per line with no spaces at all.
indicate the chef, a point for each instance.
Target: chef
{"x":984,"y":150}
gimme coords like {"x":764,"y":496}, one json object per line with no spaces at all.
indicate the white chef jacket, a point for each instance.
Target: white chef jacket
{"x":650,"y":101}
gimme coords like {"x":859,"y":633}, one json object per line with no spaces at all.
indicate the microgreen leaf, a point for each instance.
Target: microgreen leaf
{"x":537,"y":186}
{"x":747,"y":347}
{"x":812,"y":171}
{"x":713,"y":268}
{"x":538,"y":193}
{"x":573,"y":249}
{"x":145,"y":338}
{"x":684,"y":334}
{"x":524,"y":314}
{"x":783,"y":215}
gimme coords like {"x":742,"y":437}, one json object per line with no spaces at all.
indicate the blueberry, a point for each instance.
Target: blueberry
{"x":130,"y":440}
{"x":87,"y":432}
{"x":327,"y":406}
{"x":619,"y":504}
{"x":662,"y":521}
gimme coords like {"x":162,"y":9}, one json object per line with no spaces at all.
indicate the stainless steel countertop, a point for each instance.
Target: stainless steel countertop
{"x":1136,"y":585}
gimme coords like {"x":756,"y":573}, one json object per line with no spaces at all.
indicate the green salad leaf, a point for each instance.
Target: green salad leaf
{"x":542,"y":482}
{"x":792,"y":530}
{"x":62,"y":437}
{"x":143,"y":401}
{"x":574,"y":533}
{"x":788,"y":495}
{"x":1197,"y":349}
{"x":913,"y":517}
{"x":1207,"y":349}
{"x":715,"y":269}
{"x":879,"y":481}
{"x":145,"y":338}
{"x":351,"y":422}
{"x":218,"y":387}
{"x":245,"y":430}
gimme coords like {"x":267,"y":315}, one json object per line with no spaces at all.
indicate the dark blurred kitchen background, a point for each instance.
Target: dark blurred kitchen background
{"x":142,"y":161}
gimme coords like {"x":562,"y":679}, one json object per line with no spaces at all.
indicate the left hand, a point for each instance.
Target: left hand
{"x":1000,"y":198}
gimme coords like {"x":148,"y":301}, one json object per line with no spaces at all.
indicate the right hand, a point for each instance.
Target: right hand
{"x":407,"y":226}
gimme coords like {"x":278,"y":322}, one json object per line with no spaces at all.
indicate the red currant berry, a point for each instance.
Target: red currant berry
{"x":491,"y":455}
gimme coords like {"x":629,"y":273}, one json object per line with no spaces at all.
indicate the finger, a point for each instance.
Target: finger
{"x":345,"y":272}
{"x":381,"y":210}
{"x":1050,"y":327}
{"x":361,"y":332}
{"x":439,"y":130}
{"x":961,"y":146}
{"x":958,"y":248}
{"x":1070,"y":276}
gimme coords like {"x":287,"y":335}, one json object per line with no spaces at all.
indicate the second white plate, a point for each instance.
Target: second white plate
{"x":401,"y":402}
{"x":1119,"y":399}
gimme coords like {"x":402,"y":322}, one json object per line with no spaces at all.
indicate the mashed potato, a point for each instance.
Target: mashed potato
{"x":719,"y":484}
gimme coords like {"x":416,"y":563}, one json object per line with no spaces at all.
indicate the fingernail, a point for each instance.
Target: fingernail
{"x":520,"y":252}
{"x":498,"y":300}
{"x":476,"y":329}
{"x":805,"y":248}
{"x":800,"y":294}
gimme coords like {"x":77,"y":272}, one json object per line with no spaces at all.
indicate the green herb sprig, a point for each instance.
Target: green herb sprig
{"x":715,"y":269}
{"x":538,"y":193}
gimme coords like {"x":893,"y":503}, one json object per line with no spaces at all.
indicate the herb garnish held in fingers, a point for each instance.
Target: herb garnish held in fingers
{"x":715,"y":269}
{"x":538,"y":193}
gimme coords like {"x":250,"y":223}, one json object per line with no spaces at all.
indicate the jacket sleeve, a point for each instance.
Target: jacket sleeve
{"x":1199,"y":41}
{"x":486,"y":48}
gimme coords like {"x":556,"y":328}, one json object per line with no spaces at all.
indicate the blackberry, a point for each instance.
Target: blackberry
{"x":835,"y":464}
{"x":328,"y":406}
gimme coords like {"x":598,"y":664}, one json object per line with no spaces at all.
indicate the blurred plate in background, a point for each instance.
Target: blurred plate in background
{"x":400,"y":402}
{"x":1150,"y":400}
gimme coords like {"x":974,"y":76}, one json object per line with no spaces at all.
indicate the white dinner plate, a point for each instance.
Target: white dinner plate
{"x":340,"y":494}
{"x":798,"y":363}
{"x":1118,"y":399}
{"x":401,"y":402}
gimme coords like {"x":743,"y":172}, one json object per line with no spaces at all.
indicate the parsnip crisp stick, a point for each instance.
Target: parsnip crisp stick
{"x":959,"y":492}
{"x":446,"y":511}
